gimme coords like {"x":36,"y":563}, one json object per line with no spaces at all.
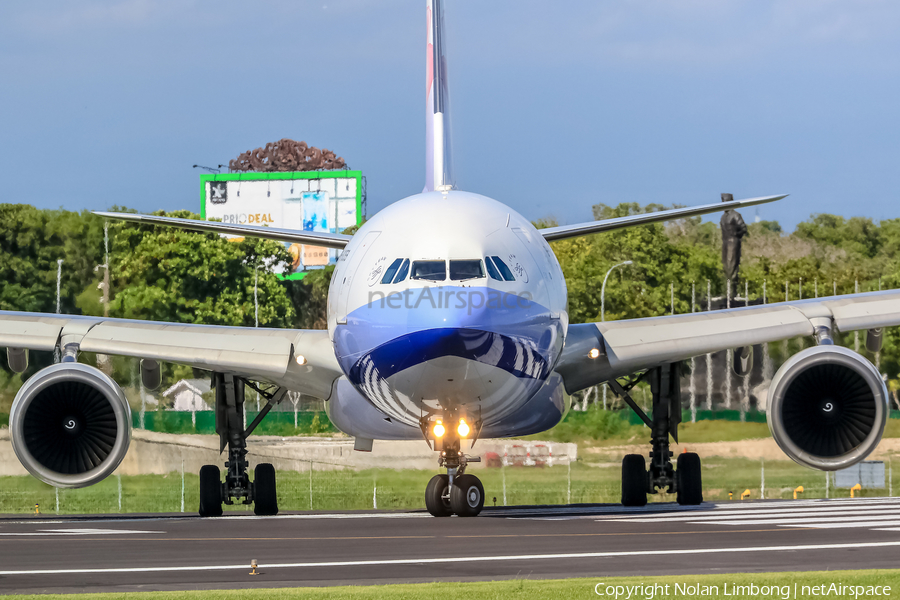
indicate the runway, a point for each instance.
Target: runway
{"x":170,"y":552}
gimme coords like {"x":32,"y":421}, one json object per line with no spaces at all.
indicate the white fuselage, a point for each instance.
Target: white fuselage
{"x":449,"y":300}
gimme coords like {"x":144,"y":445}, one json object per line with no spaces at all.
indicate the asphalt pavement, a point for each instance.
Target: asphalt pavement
{"x":171,"y":552}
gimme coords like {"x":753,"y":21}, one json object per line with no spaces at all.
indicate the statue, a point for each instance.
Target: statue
{"x":733,"y":229}
{"x":287,"y":155}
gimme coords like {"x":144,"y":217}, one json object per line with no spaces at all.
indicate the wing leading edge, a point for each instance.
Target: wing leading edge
{"x":260,"y":354}
{"x":627,"y":347}
{"x":291,"y":236}
{"x":567,"y":231}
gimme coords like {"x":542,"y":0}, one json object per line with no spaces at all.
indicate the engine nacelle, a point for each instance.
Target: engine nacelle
{"x":70,"y":425}
{"x":827,"y":407}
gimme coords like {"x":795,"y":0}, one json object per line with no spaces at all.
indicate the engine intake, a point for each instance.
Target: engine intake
{"x":827,"y":407}
{"x":70,"y":425}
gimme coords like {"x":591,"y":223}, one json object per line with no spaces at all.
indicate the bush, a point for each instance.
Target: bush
{"x":593,"y":424}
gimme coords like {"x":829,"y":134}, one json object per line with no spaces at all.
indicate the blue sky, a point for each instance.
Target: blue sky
{"x":556,"y":106}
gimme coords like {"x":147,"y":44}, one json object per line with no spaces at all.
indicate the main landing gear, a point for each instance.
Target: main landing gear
{"x":237,"y":486}
{"x":637,"y":479}
{"x":457,"y":492}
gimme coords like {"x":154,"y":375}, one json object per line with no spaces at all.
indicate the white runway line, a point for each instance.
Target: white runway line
{"x":842,"y":525}
{"x":459,"y":559}
{"x":750,"y":507}
{"x":750,"y":516}
{"x":806,"y":521}
{"x":818,"y":514}
{"x":224,"y":519}
{"x":67,"y":532}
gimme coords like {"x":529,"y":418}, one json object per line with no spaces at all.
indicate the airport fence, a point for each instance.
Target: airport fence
{"x":325,"y":487}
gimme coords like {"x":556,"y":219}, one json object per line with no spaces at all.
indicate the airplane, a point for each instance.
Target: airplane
{"x":447,"y":322}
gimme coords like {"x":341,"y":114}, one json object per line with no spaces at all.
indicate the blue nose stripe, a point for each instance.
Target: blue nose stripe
{"x":384,"y":318}
{"x":514,"y":355}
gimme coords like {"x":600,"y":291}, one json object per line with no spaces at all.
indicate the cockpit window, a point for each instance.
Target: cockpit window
{"x":491,"y":269}
{"x":432,"y":270}
{"x":391,"y":271}
{"x":403,"y":272}
{"x":465,"y":269}
{"x":504,"y":270}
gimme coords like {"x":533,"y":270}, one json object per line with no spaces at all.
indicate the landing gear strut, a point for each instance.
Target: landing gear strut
{"x":237,"y":486}
{"x":637,"y":479}
{"x":457,"y":492}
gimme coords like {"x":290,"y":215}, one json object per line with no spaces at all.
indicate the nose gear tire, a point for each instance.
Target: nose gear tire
{"x":634,"y":480}
{"x":467,"y":496}
{"x":435,"y":502}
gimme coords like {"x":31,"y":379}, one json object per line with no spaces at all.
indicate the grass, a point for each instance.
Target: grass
{"x":737,"y":586}
{"x":596,"y":427}
{"x":720,"y":431}
{"x":330,"y":490}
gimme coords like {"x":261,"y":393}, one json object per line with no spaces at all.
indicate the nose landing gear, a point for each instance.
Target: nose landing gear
{"x":456,"y":493}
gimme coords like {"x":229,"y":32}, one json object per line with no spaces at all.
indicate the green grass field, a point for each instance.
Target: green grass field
{"x":403,"y":489}
{"x":598,"y":427}
{"x":589,"y":480}
{"x":738,"y":586}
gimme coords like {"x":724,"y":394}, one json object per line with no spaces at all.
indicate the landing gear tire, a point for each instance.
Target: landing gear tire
{"x":687,"y":475}
{"x":265,"y":500}
{"x":467,"y":496}
{"x":210,"y":491}
{"x":435,"y":501}
{"x":634,"y":480}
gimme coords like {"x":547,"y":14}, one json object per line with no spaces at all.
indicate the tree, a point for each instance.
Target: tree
{"x":31,"y":242}
{"x":310,"y":298}
{"x":168,"y":274}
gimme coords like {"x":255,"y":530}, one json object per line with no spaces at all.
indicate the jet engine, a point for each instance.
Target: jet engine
{"x":827,"y":407}
{"x":70,"y":425}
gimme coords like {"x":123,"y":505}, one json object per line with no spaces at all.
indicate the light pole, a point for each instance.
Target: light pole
{"x":603,"y":308}
{"x":603,"y":288}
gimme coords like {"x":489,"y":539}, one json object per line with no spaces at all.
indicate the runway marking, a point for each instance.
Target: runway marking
{"x":672,"y":511}
{"x":823,"y":515}
{"x":458,"y":559}
{"x":434,"y":537}
{"x":563,"y":512}
{"x":622,"y":533}
{"x":842,"y":525}
{"x":72,"y":532}
{"x":750,"y":515}
{"x":818,"y":522}
{"x":226,"y":518}
{"x":250,"y":539}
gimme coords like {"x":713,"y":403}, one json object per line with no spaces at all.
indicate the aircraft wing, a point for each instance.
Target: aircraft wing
{"x":626,"y":347}
{"x":260,"y":354}
{"x":317,"y":238}
{"x":567,"y":231}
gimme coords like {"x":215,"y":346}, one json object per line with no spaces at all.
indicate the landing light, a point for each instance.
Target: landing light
{"x":463,"y":428}
{"x":301,"y":360}
{"x":594,"y":353}
{"x":438,"y":429}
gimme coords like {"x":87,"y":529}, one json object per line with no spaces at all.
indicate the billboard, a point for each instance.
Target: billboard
{"x":326,"y":201}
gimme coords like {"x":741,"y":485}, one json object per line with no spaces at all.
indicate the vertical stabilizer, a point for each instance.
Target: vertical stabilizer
{"x":438,"y":167}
